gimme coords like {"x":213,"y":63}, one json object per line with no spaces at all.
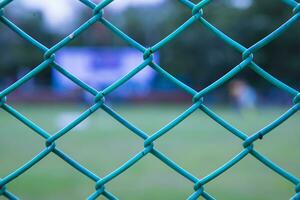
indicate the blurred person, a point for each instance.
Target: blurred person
{"x":242,"y":94}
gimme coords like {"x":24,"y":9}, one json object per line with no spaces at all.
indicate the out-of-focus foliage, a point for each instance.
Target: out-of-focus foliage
{"x":196,"y":56}
{"x":199,"y":56}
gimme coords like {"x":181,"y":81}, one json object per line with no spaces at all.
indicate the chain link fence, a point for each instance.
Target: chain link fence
{"x":197,"y":10}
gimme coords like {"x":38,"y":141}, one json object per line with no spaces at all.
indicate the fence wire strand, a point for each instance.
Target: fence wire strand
{"x":197,"y":16}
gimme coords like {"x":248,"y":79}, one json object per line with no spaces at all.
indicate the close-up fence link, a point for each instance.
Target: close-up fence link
{"x":197,"y":99}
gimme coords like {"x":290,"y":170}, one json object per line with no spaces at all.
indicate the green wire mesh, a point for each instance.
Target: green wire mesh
{"x":197,"y":100}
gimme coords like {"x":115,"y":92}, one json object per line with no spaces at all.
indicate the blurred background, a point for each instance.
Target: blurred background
{"x":196,"y":57}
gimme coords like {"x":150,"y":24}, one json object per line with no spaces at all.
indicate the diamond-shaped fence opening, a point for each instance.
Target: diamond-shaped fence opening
{"x":197,"y":100}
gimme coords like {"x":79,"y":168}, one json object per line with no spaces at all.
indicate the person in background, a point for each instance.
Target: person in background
{"x":242,"y":94}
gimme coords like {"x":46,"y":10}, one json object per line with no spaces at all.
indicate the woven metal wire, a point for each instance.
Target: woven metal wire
{"x":196,"y":96}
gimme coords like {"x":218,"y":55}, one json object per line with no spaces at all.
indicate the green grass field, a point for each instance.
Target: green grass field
{"x":198,"y":144}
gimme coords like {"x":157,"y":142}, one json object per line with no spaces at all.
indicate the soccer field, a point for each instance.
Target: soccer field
{"x":101,"y":144}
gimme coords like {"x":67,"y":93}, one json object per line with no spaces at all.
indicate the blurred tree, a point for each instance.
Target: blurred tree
{"x":196,"y":56}
{"x":201,"y":56}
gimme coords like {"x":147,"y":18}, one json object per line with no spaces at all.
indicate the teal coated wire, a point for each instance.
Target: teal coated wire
{"x":197,"y":11}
